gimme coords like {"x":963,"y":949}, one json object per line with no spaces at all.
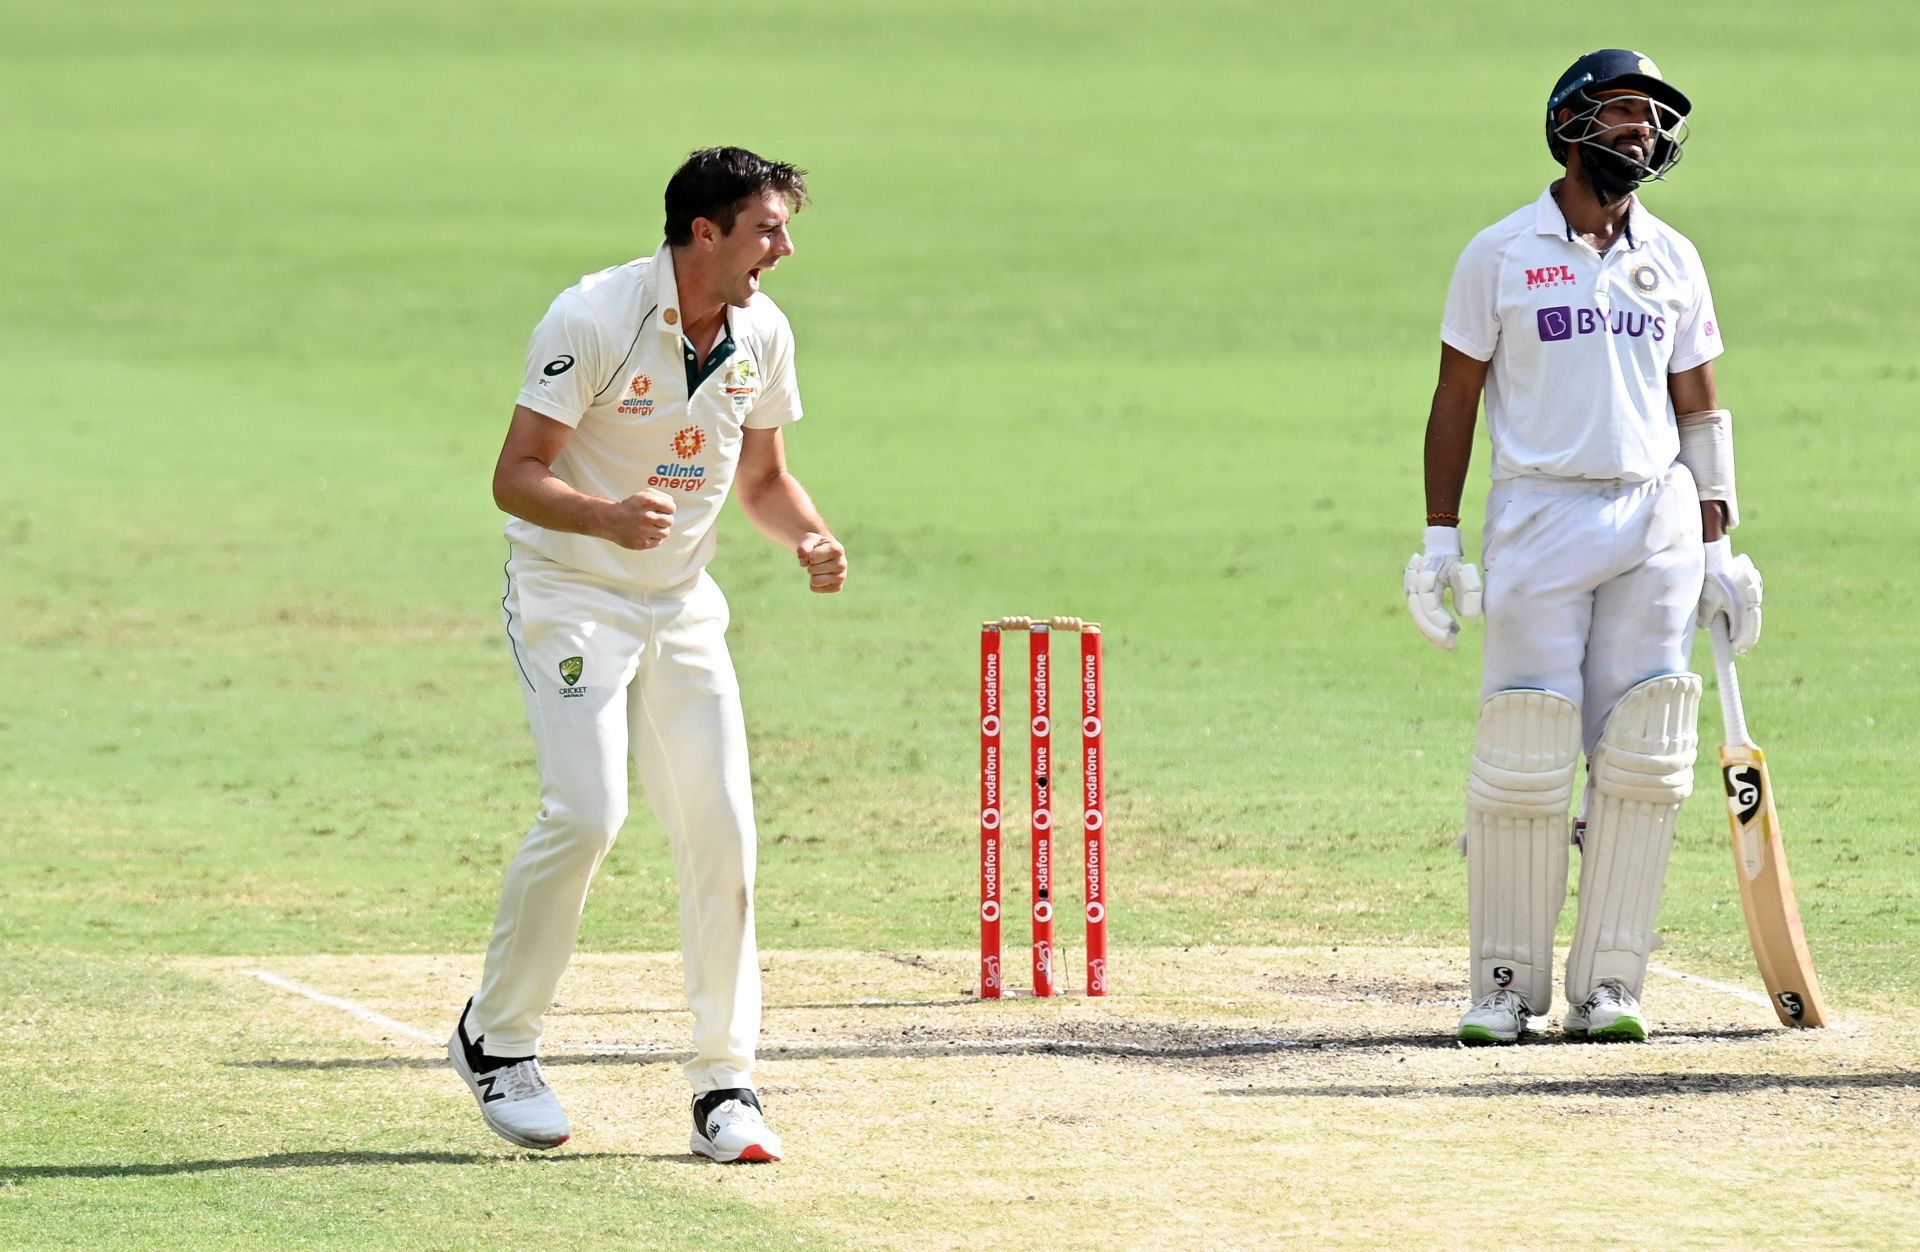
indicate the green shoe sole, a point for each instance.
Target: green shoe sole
{"x":1626,"y":1030}
{"x":1480,"y":1034}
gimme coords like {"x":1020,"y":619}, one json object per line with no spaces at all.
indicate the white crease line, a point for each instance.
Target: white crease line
{"x":1725,"y":988}
{"x":360,"y":1011}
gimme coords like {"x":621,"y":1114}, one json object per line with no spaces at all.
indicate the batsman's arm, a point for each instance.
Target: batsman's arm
{"x":1450,"y":423}
{"x":1693,"y":391}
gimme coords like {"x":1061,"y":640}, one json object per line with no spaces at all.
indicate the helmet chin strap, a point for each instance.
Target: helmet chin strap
{"x":1612,"y":176}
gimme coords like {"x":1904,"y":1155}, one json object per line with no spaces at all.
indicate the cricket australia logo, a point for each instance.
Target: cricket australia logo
{"x":570,"y":671}
{"x":1743,"y":792}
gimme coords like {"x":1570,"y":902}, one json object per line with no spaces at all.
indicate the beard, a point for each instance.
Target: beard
{"x":1612,"y":175}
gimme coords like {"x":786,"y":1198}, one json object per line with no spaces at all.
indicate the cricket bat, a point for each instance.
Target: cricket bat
{"x":1760,"y":859}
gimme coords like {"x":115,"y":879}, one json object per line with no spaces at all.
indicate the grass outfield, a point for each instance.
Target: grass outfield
{"x":1123,"y":311}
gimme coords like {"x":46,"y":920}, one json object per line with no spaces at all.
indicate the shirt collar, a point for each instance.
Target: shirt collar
{"x":666,"y":289}
{"x":1549,"y":220}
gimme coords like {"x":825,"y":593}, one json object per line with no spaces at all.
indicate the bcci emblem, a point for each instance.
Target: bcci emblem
{"x":687,"y":442}
{"x":1646,"y":279}
{"x":570,"y":670}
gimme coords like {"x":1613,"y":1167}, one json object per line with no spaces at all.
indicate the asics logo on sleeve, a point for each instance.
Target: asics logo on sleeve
{"x":558,"y":366}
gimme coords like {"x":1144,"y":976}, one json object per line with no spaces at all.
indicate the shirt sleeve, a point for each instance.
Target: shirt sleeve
{"x":1696,"y":335}
{"x":1471,"y":323}
{"x":778,"y":403}
{"x":564,"y":360}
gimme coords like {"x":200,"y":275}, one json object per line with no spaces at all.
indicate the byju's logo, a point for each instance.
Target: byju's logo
{"x":1555,"y":323}
{"x":1564,"y":322}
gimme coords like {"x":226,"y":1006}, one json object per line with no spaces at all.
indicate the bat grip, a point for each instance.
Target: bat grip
{"x":1732,"y":714}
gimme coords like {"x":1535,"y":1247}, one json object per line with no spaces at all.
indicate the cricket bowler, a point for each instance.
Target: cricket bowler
{"x":1587,"y":324}
{"x":652,"y":390}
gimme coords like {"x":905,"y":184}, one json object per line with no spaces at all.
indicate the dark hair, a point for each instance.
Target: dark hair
{"x":715,"y":182}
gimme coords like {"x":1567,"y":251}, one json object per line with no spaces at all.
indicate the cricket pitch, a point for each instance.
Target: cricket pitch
{"x":1222,"y":1097}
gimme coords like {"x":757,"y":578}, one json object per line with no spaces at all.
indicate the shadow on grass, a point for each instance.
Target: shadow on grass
{"x":1612,"y":1086}
{"x":323,"y":1160}
{"x":1156,"y":1043}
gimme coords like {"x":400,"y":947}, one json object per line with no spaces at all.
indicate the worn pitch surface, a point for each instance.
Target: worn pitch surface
{"x":1228,"y":1096}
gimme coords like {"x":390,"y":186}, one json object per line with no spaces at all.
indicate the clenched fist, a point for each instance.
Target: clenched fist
{"x":642,"y":520}
{"x":825,"y":561}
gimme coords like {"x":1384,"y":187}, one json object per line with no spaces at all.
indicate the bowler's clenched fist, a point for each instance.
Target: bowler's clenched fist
{"x":825,"y":561}
{"x":642,"y":520}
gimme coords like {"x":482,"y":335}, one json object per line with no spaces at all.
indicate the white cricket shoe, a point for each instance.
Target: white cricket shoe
{"x":1498,"y":1017}
{"x":1611,"y":1012}
{"x":728,"y":1127}
{"x":514,"y":1098}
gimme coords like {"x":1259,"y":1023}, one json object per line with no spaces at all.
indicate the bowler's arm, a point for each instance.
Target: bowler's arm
{"x":780,"y":508}
{"x":1693,"y":392}
{"x":525,"y":485}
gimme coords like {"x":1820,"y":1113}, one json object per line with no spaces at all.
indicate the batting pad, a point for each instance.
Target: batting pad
{"x":1641,"y":772}
{"x":1517,"y":797}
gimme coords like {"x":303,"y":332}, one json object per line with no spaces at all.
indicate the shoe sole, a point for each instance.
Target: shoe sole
{"x":1626,"y":1030}
{"x":752,"y":1154}
{"x":456,"y":1054}
{"x":1481,"y":1035}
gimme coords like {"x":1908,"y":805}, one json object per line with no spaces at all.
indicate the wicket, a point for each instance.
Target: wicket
{"x":1093,"y":799}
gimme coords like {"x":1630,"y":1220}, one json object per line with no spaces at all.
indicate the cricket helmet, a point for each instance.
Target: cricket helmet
{"x":1613,"y":71}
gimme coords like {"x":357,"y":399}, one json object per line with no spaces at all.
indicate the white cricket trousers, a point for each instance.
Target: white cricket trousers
{"x":609,"y":671}
{"x":1591,"y":586}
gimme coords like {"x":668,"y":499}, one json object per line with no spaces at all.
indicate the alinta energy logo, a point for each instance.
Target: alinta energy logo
{"x":640,"y":402}
{"x":687,"y":443}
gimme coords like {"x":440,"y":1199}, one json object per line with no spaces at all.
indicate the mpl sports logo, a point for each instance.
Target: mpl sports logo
{"x":1562,"y":322}
{"x":687,"y":442}
{"x":1551,"y":276}
{"x":639,"y":403}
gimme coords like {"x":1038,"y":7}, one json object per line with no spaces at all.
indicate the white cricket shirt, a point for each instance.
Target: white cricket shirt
{"x":608,"y":360}
{"x":1581,"y":344}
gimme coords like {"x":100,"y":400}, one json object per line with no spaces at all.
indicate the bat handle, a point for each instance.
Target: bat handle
{"x":1732,"y":714}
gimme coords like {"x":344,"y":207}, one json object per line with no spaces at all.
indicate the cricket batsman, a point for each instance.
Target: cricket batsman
{"x":652,"y":390}
{"x":1587,"y":325}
